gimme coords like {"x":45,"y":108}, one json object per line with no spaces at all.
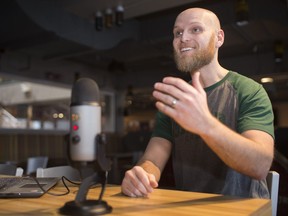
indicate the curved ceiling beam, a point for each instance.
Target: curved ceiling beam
{"x":50,"y":16}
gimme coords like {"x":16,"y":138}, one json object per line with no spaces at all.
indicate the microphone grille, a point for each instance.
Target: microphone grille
{"x":85,"y":91}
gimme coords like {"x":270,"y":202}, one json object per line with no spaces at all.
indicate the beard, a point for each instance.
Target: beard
{"x":194,"y":62}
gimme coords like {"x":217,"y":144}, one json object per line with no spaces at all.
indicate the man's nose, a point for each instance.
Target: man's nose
{"x":185,"y":36}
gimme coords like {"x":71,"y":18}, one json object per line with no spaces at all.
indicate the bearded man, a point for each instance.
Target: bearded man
{"x":218,"y":127}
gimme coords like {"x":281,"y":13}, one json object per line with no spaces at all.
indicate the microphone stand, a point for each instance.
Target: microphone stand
{"x":83,"y":206}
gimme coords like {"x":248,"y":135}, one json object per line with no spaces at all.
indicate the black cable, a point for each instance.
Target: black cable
{"x":56,"y":194}
{"x":63,"y":178}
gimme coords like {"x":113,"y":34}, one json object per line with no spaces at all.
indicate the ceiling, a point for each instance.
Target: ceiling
{"x":43,"y":39}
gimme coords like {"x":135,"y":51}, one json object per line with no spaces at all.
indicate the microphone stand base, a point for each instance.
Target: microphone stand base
{"x":87,"y":208}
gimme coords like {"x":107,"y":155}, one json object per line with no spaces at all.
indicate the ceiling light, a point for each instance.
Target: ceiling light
{"x":108,"y":18}
{"x":242,"y":12}
{"x":279,"y":50}
{"x":98,"y":21}
{"x":267,"y":80}
{"x":119,"y":15}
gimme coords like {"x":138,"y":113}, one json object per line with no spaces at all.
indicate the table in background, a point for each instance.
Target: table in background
{"x":160,"y":202}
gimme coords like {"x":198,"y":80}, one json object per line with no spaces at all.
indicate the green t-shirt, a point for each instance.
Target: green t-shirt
{"x":241,"y":104}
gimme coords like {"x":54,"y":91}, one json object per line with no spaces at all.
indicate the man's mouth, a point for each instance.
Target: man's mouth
{"x":185,"y":49}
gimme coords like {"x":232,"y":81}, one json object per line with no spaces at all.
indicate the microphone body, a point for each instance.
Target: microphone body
{"x":85,"y":126}
{"x":85,"y":121}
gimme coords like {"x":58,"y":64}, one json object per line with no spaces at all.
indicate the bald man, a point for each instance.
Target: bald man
{"x":218,"y":127}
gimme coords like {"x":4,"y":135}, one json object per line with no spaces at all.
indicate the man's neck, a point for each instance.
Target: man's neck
{"x":211,"y":74}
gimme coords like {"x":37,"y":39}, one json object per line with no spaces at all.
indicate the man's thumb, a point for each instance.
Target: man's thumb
{"x":196,"y":80}
{"x":153,"y":181}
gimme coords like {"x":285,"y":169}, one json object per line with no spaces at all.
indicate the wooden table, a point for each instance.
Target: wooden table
{"x":160,"y":202}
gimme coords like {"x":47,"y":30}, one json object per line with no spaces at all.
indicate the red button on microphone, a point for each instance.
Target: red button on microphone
{"x":75,"y":127}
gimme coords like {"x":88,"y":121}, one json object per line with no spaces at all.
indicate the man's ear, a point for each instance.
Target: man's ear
{"x":220,"y":38}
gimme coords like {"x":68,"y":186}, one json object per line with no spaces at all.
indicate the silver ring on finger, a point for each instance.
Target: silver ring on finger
{"x":174,"y":102}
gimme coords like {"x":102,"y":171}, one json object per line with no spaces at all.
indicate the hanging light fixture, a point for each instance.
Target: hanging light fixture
{"x":279,"y":50}
{"x":242,"y":12}
{"x":108,"y":18}
{"x":98,"y":20}
{"x":119,"y":18}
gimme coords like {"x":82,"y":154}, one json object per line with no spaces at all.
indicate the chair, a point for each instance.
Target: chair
{"x":59,"y":171}
{"x":36,"y":162}
{"x":272,"y":180}
{"x":9,"y":169}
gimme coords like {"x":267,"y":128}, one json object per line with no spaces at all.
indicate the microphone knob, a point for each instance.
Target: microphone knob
{"x":76,"y":139}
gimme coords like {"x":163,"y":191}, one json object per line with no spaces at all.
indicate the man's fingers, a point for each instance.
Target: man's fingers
{"x":129,"y":189}
{"x":143,"y":181}
{"x":136,"y":183}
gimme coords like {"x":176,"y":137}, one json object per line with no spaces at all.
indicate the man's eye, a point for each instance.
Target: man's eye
{"x":178,"y":34}
{"x":196,"y":30}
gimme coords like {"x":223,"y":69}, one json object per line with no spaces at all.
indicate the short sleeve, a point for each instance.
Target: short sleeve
{"x":163,"y":127}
